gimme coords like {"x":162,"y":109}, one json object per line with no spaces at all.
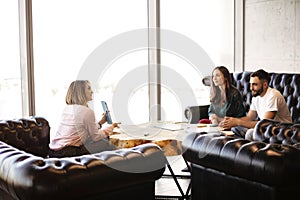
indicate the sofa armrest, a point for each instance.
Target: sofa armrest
{"x":271,"y":131}
{"x":194,"y":113}
{"x":31,"y":135}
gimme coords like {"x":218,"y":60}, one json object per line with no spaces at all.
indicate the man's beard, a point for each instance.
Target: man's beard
{"x":258,"y":92}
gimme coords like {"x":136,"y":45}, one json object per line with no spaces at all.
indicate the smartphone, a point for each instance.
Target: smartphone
{"x":105,"y":109}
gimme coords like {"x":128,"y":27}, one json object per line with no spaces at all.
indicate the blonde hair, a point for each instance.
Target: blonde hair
{"x":76,"y":93}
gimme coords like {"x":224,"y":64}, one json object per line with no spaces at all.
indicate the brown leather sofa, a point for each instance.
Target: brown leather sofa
{"x":26,"y":172}
{"x":226,"y":167}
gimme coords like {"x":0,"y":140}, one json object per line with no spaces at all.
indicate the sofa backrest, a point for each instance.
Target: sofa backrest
{"x":270,"y":131}
{"x":288,"y":84}
{"x":31,"y":135}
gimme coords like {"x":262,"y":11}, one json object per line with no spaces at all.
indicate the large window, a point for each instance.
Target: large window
{"x":198,"y":35}
{"x":106,"y":42}
{"x":79,"y":39}
{"x":10,"y":76}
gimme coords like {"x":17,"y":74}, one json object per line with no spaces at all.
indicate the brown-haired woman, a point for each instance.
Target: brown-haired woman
{"x":225,"y":99}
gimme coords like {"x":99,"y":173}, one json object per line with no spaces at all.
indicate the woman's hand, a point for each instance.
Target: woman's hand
{"x":103,"y":119}
{"x":215,"y":119}
{"x":221,"y":124}
{"x":109,"y":130}
{"x":115,"y":125}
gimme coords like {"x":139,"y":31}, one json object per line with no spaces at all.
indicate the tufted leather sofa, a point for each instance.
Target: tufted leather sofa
{"x":27,"y":173}
{"x":225,"y":167}
{"x":287,"y":84}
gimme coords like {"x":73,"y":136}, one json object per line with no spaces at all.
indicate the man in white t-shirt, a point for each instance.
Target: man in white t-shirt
{"x":267,"y":103}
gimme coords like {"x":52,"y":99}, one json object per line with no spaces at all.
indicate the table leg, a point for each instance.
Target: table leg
{"x":174,"y":176}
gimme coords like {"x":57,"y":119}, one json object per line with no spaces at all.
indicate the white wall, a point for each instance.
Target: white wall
{"x":272,"y":35}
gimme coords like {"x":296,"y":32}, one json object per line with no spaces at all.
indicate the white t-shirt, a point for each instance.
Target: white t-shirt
{"x":77,"y":125}
{"x":271,"y":101}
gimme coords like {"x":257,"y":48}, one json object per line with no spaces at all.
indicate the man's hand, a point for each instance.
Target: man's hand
{"x":229,"y":122}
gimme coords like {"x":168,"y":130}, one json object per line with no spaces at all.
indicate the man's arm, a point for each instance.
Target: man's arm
{"x":270,"y":115}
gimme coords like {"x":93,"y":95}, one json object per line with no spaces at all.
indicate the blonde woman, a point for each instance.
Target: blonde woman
{"x":78,"y":132}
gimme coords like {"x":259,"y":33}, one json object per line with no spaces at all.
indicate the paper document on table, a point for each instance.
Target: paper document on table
{"x":170,"y":127}
{"x":228,"y":133}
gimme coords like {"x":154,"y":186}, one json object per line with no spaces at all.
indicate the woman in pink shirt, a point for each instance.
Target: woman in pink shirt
{"x":78,"y":132}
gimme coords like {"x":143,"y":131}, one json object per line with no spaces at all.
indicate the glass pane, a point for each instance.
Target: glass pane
{"x":204,"y":35}
{"x":69,"y":34}
{"x":10,"y":81}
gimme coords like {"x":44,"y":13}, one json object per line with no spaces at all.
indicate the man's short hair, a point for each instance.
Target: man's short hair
{"x":262,"y":75}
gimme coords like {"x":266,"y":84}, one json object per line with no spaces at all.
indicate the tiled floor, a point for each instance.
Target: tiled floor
{"x":165,"y":187}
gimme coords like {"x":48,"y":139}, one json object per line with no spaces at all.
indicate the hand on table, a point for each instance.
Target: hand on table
{"x":228,"y":122}
{"x":110,"y":130}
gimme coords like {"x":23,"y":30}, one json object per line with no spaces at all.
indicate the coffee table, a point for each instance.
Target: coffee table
{"x":127,"y":136}
{"x":167,"y":135}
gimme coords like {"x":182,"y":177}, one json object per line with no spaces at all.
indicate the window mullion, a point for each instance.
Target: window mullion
{"x":26,"y":61}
